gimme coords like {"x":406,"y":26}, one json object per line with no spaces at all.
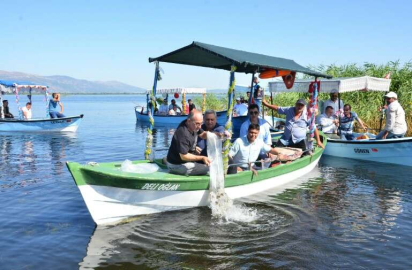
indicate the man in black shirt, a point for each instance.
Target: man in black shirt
{"x":6,"y":111}
{"x":191,"y":105}
{"x":182,"y":157}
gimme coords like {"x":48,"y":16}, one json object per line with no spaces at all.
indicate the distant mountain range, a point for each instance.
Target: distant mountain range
{"x":66,"y":84}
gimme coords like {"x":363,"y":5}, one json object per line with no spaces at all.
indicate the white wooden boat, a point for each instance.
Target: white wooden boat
{"x":394,"y":151}
{"x":65,"y":124}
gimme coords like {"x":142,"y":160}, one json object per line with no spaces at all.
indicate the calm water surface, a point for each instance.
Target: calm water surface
{"x":345,"y":214}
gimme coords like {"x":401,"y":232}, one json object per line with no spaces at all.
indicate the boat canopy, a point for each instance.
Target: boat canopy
{"x":341,"y":85}
{"x":10,"y":87}
{"x":179,"y":91}
{"x":206,"y":55}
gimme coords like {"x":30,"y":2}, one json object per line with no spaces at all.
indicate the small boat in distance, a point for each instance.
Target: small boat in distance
{"x":165,"y":119}
{"x":19,"y":124}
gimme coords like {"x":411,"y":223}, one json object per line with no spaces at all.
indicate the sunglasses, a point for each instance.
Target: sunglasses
{"x":253,"y":112}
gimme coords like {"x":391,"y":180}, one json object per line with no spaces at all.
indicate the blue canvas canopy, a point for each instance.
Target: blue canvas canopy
{"x":10,"y":87}
{"x":206,"y":55}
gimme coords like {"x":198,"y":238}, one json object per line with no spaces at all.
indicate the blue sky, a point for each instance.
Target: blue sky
{"x":112,"y":40}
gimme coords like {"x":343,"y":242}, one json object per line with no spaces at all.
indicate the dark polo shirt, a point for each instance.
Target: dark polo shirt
{"x":183,"y":142}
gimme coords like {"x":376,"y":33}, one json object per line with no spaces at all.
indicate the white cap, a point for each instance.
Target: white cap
{"x":392,"y":95}
{"x":334,"y":91}
{"x":238,"y":98}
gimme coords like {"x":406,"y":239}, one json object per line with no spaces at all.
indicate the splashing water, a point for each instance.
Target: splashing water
{"x":220,"y":203}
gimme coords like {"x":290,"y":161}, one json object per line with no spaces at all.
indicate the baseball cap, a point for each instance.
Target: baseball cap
{"x":391,"y":95}
{"x":301,"y":101}
{"x":238,"y":98}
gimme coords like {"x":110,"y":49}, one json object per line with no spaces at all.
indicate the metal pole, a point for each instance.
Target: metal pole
{"x":273,"y":112}
{"x":151,"y":100}
{"x":251,"y":89}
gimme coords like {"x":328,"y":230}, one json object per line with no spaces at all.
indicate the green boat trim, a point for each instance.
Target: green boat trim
{"x":109,"y":174}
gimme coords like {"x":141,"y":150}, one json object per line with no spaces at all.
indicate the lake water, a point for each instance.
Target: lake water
{"x":345,"y":214}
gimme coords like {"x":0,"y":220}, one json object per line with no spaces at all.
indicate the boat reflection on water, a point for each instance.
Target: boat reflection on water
{"x":162,"y":136}
{"x":22,"y":155}
{"x":182,"y":238}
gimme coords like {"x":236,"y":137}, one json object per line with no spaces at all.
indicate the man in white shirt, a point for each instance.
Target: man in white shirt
{"x":264,"y":134}
{"x":27,"y":111}
{"x":333,"y":102}
{"x":240,"y":109}
{"x":395,"y":119}
{"x":328,"y":121}
{"x":245,"y":150}
{"x":164,"y":109}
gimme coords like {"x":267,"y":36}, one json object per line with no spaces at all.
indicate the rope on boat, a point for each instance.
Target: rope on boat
{"x":151,"y":105}
{"x":184,"y":103}
{"x":228,"y":125}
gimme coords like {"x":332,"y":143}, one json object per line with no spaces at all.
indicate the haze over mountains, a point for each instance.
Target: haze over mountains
{"x":66,"y":84}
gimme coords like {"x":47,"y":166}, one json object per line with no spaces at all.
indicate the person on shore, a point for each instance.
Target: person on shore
{"x":53,"y":110}
{"x":211,"y":125}
{"x":27,"y":111}
{"x":296,"y":125}
{"x":264,"y":134}
{"x":328,"y":121}
{"x":240,"y":109}
{"x":246,"y":150}
{"x":192,"y":106}
{"x":6,"y":110}
{"x":181,"y":157}
{"x":395,"y":126}
{"x":164,"y":108}
{"x":333,"y":102}
{"x":345,"y":129}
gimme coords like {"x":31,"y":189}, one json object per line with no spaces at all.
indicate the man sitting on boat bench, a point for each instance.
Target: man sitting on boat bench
{"x":246,"y":150}
{"x":181,"y":157}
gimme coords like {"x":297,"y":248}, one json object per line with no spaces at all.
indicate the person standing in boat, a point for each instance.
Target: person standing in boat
{"x":345,"y":129}
{"x":333,"y":102}
{"x":328,"y":121}
{"x":164,"y":108}
{"x":296,"y":125}
{"x":211,"y":125}
{"x":257,"y":93}
{"x":395,"y":126}
{"x":192,"y":106}
{"x":173,"y":103}
{"x":182,"y":157}
{"x":240,"y":109}
{"x":53,"y":110}
{"x":27,"y":111}
{"x":6,"y":110}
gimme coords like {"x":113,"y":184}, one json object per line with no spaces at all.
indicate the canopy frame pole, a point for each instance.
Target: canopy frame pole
{"x":382,"y":115}
{"x":204,"y":103}
{"x":46,"y":97}
{"x":16,"y":91}
{"x":151,"y":102}
{"x":339,"y":113}
{"x":228,"y":125}
{"x":183,"y":103}
{"x":273,"y":111}
{"x":251,"y":89}
{"x":312,"y":111}
{"x":1,"y":104}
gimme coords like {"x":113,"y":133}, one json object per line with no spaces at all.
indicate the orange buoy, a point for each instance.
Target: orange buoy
{"x":271,"y":73}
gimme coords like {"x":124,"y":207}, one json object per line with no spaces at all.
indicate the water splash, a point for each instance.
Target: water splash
{"x":222,"y":206}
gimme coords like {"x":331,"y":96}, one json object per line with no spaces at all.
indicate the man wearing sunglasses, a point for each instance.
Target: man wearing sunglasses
{"x":264,"y":127}
{"x":182,"y":157}
{"x":296,"y":125}
{"x":395,"y":126}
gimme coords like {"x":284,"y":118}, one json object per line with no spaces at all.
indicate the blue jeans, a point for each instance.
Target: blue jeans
{"x":390,"y":135}
{"x":56,"y":115}
{"x":348,"y":135}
